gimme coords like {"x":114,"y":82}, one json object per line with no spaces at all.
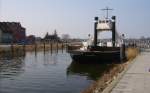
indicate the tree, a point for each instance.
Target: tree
{"x":142,"y":37}
{"x":65,"y":36}
{"x":55,"y":32}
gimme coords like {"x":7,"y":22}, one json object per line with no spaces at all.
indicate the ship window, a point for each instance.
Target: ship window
{"x":103,"y":21}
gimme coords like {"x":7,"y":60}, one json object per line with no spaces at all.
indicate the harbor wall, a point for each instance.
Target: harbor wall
{"x":111,"y":74}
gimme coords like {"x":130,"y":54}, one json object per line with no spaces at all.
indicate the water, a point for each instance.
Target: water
{"x":46,"y":73}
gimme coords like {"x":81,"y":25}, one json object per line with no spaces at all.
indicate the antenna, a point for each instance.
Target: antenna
{"x":0,"y":8}
{"x":106,"y":9}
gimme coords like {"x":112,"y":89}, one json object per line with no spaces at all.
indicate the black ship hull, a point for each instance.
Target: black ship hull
{"x":96,"y":56}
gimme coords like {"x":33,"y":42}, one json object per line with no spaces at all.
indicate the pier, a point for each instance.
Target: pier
{"x":135,"y":79}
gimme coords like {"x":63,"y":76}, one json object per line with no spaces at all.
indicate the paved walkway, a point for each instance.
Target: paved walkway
{"x":137,"y":78}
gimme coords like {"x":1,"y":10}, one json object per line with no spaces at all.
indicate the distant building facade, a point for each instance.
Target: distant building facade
{"x":53,"y":37}
{"x":31,"y":39}
{"x":12,"y":32}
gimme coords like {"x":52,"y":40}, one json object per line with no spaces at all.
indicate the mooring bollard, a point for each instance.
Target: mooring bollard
{"x":122,"y":52}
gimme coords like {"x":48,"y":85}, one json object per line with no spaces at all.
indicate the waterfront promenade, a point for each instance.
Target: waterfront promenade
{"x":137,"y":77}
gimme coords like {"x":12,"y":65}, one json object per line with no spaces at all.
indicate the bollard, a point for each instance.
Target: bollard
{"x":122,"y":52}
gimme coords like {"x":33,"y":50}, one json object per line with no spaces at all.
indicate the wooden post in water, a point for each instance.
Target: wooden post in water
{"x":67,"y":46}
{"x":62,"y":46}
{"x":44,"y":47}
{"x":24,"y":49}
{"x":12,"y":49}
{"x":35,"y":48}
{"x":57,"y":47}
{"x":51,"y":47}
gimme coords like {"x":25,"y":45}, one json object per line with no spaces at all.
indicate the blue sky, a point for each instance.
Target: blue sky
{"x":76,"y":17}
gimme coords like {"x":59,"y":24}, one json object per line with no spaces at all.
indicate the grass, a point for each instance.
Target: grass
{"x":39,"y":47}
{"x":132,"y":53}
{"x":19,"y":50}
{"x":112,"y":73}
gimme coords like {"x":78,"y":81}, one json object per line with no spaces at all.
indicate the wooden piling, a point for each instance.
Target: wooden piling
{"x":24,"y":49}
{"x":57,"y":47}
{"x":66,"y":46}
{"x":12,"y":49}
{"x":44,"y":47}
{"x":51,"y":47}
{"x":35,"y":48}
{"x":62,"y":47}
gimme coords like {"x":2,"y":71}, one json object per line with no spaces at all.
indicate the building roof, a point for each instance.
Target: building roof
{"x":10,"y":27}
{"x":51,"y":37}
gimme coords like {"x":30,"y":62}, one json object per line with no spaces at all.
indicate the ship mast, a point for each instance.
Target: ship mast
{"x":107,"y":9}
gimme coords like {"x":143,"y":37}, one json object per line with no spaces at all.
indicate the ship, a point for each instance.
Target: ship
{"x":93,"y":51}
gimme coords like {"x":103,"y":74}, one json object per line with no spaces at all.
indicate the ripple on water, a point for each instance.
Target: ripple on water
{"x":45,"y":73}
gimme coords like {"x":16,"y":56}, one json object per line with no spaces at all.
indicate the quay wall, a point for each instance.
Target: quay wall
{"x":110,"y":75}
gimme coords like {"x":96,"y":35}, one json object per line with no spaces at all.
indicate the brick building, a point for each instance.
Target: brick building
{"x":12,"y":32}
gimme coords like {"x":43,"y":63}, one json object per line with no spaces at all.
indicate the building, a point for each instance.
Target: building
{"x":6,"y":35}
{"x":31,"y":39}
{"x":12,"y":32}
{"x":53,"y":37}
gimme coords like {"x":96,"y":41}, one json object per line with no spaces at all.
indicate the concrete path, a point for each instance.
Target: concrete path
{"x":137,"y":78}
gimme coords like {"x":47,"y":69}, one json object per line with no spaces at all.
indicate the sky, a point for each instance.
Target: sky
{"x":76,"y":17}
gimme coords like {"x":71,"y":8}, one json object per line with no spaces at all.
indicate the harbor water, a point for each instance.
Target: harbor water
{"x":46,"y":73}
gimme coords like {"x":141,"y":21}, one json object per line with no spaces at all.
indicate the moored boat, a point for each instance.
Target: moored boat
{"x":91,"y":51}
